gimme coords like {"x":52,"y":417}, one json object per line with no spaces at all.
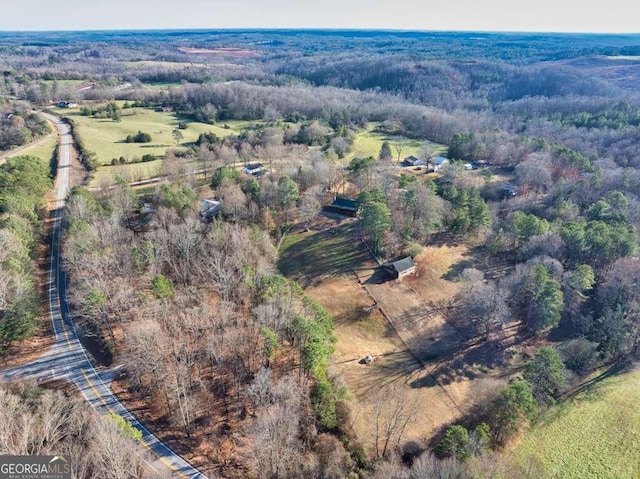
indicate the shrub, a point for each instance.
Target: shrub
{"x":412,"y":250}
{"x":161,"y":287}
{"x":222,"y":173}
{"x":455,"y":443}
{"x":208,"y":138}
{"x":139,"y":137}
{"x":124,"y":427}
{"x":545,"y":373}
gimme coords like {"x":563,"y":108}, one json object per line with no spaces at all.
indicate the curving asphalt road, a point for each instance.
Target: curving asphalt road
{"x":67,"y":358}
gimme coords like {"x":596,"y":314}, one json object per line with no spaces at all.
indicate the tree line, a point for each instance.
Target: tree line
{"x":24,"y":183}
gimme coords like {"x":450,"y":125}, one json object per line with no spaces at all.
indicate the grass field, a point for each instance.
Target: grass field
{"x":161,"y":86}
{"x":624,"y":57}
{"x":64,"y":82}
{"x":106,"y":137}
{"x":594,"y":436}
{"x":156,"y":63}
{"x":130,"y":172}
{"x":309,"y":257}
{"x":43,"y":151}
{"x":369,"y":142}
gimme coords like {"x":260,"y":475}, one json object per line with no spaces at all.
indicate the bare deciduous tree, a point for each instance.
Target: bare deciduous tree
{"x":392,"y":412}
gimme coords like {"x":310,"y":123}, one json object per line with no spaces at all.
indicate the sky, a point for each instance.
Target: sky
{"x":590,"y":16}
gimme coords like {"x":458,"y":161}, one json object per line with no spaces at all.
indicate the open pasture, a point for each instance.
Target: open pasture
{"x":595,"y":435}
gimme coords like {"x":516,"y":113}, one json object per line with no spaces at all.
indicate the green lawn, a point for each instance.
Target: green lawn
{"x":594,"y":436}
{"x":106,"y":138}
{"x":43,"y":151}
{"x":309,"y":256}
{"x":368,"y":143}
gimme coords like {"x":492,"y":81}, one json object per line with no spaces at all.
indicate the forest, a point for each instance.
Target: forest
{"x":228,"y":343}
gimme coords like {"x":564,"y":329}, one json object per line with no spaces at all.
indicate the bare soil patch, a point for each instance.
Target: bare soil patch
{"x":361,"y":331}
{"x":223,"y":51}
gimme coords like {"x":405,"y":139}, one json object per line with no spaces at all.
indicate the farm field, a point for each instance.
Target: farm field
{"x":595,"y":435}
{"x":161,"y":85}
{"x":106,"y":138}
{"x":368,"y":143}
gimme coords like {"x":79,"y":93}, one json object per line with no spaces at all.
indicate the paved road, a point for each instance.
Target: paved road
{"x":67,"y":358}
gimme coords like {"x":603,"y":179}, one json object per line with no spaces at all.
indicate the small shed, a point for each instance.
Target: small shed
{"x":401,"y":268}
{"x":253,"y":169}
{"x":413,"y":161}
{"x":344,"y":206}
{"x":209,"y":207}
{"x":66,"y":104}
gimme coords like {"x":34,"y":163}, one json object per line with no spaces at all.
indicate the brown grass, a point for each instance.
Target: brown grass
{"x":432,"y":265}
{"x":411,"y":341}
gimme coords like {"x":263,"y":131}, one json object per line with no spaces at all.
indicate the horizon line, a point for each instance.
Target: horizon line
{"x":314,"y":29}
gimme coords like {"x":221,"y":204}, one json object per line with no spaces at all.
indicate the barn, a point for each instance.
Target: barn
{"x":401,"y":268}
{"x":344,"y":206}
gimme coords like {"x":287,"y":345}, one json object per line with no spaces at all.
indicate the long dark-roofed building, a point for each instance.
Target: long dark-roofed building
{"x":344,"y":206}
